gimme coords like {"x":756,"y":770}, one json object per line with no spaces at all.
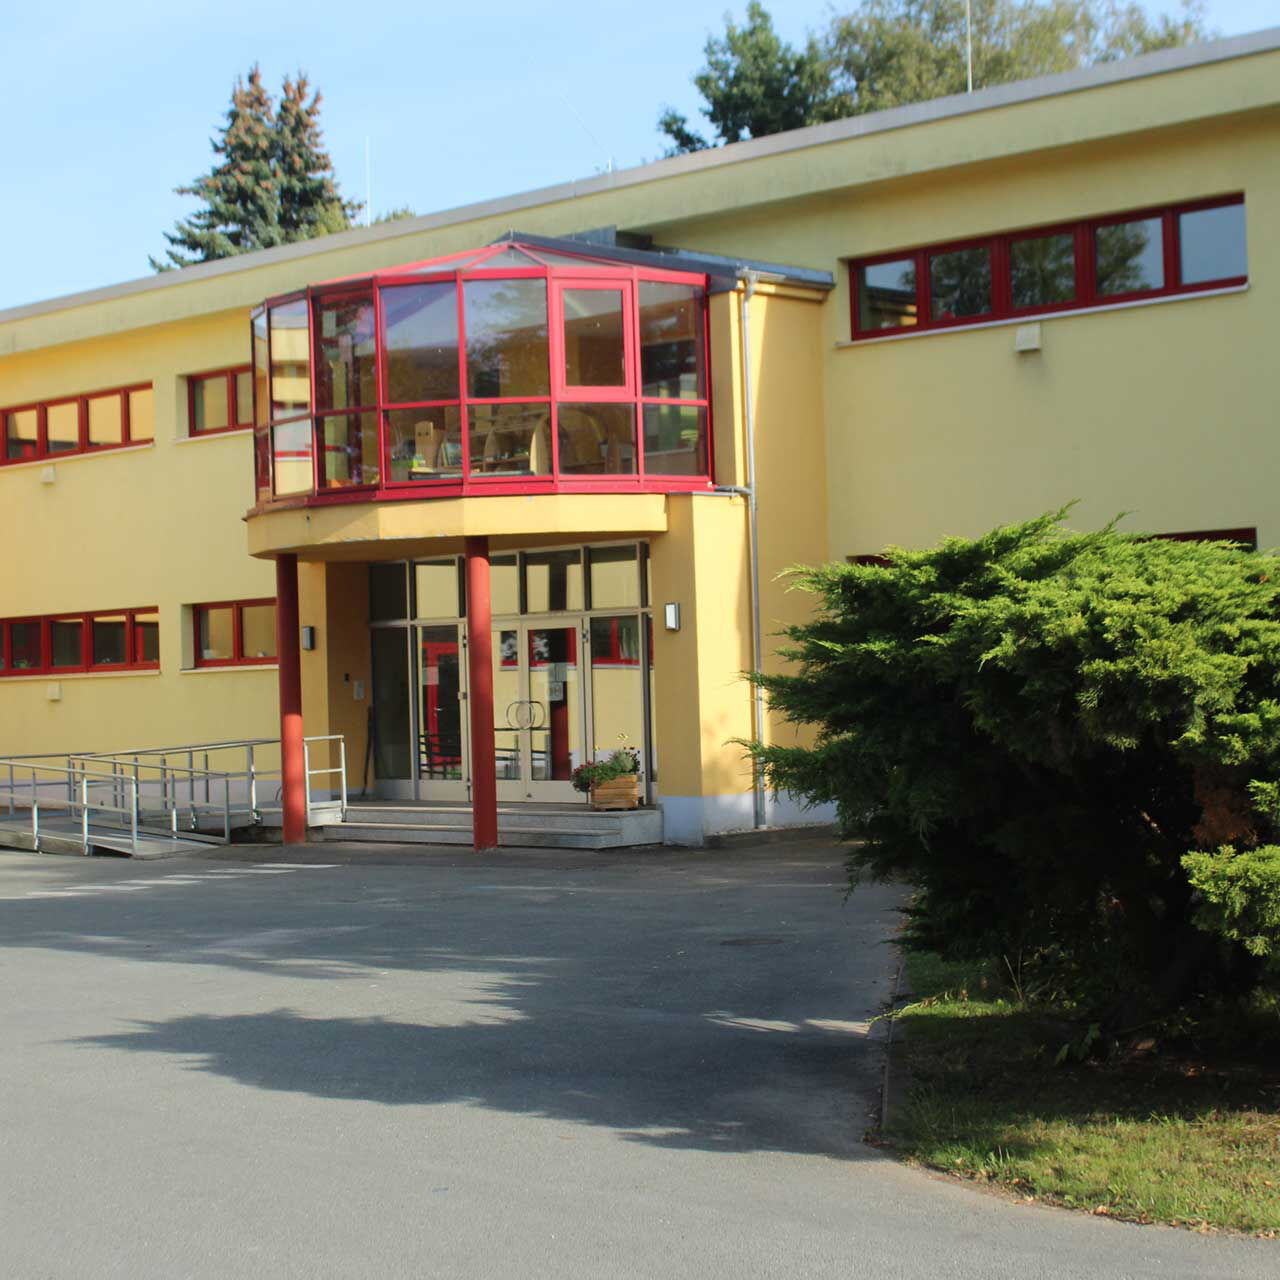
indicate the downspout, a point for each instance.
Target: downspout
{"x":749,"y":278}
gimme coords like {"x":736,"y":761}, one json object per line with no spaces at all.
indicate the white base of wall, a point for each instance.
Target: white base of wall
{"x":689,"y":820}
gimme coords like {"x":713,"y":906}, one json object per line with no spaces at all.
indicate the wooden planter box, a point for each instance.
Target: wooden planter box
{"x":617,"y":793}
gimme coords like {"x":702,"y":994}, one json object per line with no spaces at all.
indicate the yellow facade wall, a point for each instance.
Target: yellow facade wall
{"x":157,"y":525}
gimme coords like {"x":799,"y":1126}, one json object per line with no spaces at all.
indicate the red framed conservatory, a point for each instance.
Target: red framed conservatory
{"x":512,"y":369}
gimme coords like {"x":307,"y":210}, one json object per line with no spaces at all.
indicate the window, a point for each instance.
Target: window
{"x":76,"y":424}
{"x":220,"y":401}
{"x":108,"y":640}
{"x":1146,"y":254}
{"x":508,"y":374}
{"x":234,"y":633}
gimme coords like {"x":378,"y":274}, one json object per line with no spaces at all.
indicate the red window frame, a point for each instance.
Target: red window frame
{"x":45,"y":667}
{"x":1084,"y":231}
{"x":592,"y":273}
{"x":229,"y":376}
{"x":83,"y":444}
{"x":238,"y":658}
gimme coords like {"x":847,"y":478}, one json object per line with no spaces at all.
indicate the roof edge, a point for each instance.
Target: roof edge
{"x":1140,"y":67}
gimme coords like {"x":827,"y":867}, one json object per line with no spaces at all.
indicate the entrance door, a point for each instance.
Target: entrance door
{"x":441,"y":742}
{"x":539,"y":710}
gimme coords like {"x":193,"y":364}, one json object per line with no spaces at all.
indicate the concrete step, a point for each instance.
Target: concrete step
{"x":515,"y":818}
{"x":565,"y":835}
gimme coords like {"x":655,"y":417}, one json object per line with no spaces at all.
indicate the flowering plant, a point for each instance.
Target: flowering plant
{"x":617,"y":764}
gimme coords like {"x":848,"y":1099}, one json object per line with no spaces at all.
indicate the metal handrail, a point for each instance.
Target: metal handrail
{"x":128,"y":772}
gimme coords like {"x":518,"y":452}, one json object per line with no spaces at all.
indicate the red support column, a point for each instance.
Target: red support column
{"x":484,"y":781}
{"x":293,"y":773}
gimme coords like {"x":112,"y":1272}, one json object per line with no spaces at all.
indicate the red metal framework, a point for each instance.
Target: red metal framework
{"x":1000,"y":249}
{"x":27,"y":645}
{"x":237,"y":658}
{"x":355,"y":453}
{"x":238,"y":417}
{"x":24,"y":428}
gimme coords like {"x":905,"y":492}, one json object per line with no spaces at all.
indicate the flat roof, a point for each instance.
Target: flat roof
{"x":1162,"y":62}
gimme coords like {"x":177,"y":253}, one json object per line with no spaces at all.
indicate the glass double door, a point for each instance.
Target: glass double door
{"x":539,"y":709}
{"x":564,"y":690}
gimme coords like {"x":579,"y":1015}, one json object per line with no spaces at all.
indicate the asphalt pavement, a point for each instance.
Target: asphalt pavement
{"x":396,"y":1063}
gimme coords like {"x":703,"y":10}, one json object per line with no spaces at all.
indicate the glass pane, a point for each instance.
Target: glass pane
{"x":1044,"y":270}
{"x":552,"y":581}
{"x":291,"y":456}
{"x":504,"y":585}
{"x":671,"y":331}
{"x":597,"y":439}
{"x":422,"y":342}
{"x":290,"y":361}
{"x":146,"y":637}
{"x":555,"y":703}
{"x":258,"y":630}
{"x":1211,"y":244}
{"x":615,"y":580}
{"x":506,"y":325}
{"x":510,"y":439}
{"x":509,"y":710}
{"x":63,"y":422}
{"x":109,"y":646}
{"x":244,"y":399}
{"x":388,"y":593}
{"x":215,"y":634}
{"x":20,"y":434}
{"x":568,"y":260}
{"x":425,"y":444}
{"x":260,"y":383}
{"x":106,"y":420}
{"x":594,"y":353}
{"x":887,"y":295}
{"x":1130,"y":257}
{"x":345,"y":377}
{"x":675,"y":439}
{"x":349,"y":450}
{"x":65,"y":644}
{"x":617,"y":692}
{"x":960,"y":283}
{"x":439,"y":708}
{"x":507,"y":258}
{"x":436,"y":589}
{"x":142,"y":414}
{"x":24,"y":646}
{"x":209,"y":404}
{"x":391,"y":691}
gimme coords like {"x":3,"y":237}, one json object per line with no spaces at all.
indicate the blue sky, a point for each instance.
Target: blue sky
{"x":111,"y":107}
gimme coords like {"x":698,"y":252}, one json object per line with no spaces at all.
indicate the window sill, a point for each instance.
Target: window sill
{"x":57,"y":459}
{"x":1043,"y":317}
{"x":230,"y":666}
{"x":47,"y":676}
{"x":201,"y":436}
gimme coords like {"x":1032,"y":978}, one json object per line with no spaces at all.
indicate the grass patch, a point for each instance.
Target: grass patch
{"x":1181,"y":1134}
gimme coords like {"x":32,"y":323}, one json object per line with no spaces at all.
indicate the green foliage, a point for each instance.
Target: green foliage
{"x":1033,"y":727}
{"x":273,"y":183}
{"x":755,"y":84}
{"x":1240,"y":896}
{"x":887,"y":53}
{"x":618,"y":764}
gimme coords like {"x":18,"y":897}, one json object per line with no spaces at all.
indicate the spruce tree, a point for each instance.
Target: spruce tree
{"x":273,"y":184}
{"x":241,"y":193}
{"x":310,"y":203}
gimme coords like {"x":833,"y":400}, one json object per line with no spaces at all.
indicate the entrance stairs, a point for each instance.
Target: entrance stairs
{"x":539,"y":826}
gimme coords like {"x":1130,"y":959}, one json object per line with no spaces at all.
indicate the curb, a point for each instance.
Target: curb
{"x":893,"y":1079}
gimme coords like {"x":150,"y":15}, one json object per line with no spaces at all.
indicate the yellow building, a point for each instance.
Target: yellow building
{"x":491,"y":502}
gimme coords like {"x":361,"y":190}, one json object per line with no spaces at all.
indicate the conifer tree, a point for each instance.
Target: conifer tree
{"x":310,"y":203}
{"x":273,"y":184}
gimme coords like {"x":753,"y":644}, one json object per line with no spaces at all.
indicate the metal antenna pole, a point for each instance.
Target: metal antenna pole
{"x":968,"y":40}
